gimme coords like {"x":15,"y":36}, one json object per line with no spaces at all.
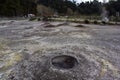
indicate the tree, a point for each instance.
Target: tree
{"x":28,"y":6}
{"x":69,"y":11}
{"x":60,"y":6}
{"x":44,"y":11}
{"x":17,"y":7}
{"x":113,"y":7}
{"x":89,"y":8}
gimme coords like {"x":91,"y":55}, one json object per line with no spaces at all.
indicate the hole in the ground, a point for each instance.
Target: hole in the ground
{"x":64,"y":62}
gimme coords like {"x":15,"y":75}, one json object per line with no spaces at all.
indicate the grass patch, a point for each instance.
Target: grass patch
{"x":2,"y":46}
{"x":11,"y":61}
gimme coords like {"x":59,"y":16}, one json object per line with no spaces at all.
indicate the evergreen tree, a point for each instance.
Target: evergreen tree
{"x":24,"y":7}
{"x":17,"y":7}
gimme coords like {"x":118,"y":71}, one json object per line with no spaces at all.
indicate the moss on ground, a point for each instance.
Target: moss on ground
{"x":12,"y":59}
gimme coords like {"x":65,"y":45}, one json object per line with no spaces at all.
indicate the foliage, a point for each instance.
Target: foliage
{"x":103,"y":22}
{"x":86,"y":21}
{"x":39,"y":19}
{"x":89,"y":8}
{"x":32,"y":19}
{"x":113,"y":7}
{"x":62,"y":7}
{"x":44,"y":11}
{"x":45,"y":18}
{"x":17,"y":7}
{"x":59,"y":6}
{"x":69,"y":12}
{"x":95,"y":22}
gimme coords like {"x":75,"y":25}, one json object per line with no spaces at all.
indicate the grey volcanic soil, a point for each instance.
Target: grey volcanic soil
{"x":27,"y":49}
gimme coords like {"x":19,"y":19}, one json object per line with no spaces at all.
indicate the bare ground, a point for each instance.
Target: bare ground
{"x":26,"y":50}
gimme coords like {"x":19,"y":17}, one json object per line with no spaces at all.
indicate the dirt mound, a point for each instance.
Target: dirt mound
{"x":80,"y":26}
{"x":63,"y":24}
{"x":48,"y":25}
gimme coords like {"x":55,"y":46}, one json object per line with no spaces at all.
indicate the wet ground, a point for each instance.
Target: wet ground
{"x":28,"y":47}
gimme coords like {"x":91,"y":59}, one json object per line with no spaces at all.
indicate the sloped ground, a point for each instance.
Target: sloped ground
{"x":27,"y":49}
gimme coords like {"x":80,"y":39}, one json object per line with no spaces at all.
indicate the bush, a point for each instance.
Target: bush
{"x":86,"y":22}
{"x":111,"y":23}
{"x":103,"y":22}
{"x":45,"y":19}
{"x":39,"y":19}
{"x":32,"y":19}
{"x":95,"y":22}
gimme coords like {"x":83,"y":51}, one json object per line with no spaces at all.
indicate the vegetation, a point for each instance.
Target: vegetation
{"x":51,"y":7}
{"x":86,"y":22}
{"x":32,"y":19}
{"x":113,"y":7}
{"x":103,"y":22}
{"x":17,"y":7}
{"x":95,"y":22}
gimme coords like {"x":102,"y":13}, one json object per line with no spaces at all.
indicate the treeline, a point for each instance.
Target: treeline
{"x":65,"y":6}
{"x":24,"y":7}
{"x":59,"y":6}
{"x":113,"y":7}
{"x":90,"y":8}
{"x":17,"y":7}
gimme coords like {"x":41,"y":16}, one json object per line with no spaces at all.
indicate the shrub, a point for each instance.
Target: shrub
{"x":86,"y":21}
{"x":103,"y":22}
{"x":45,"y":19}
{"x":95,"y":22}
{"x":111,"y":23}
{"x":32,"y":19}
{"x":39,"y":19}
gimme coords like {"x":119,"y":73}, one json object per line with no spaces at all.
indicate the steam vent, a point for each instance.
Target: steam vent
{"x":32,"y":50}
